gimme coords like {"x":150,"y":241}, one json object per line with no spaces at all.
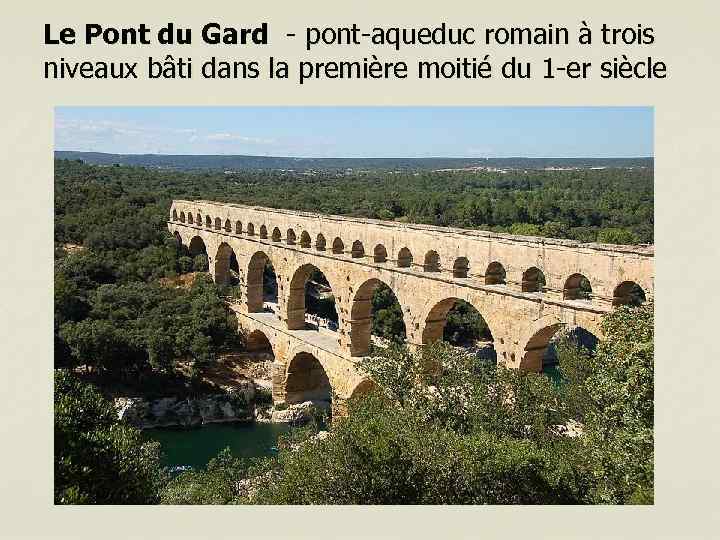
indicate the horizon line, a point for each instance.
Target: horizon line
{"x":354,"y":157}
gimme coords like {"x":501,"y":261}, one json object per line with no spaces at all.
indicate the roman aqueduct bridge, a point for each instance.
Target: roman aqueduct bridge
{"x":526,"y":288}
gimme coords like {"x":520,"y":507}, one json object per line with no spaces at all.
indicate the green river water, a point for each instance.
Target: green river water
{"x":196,"y":446}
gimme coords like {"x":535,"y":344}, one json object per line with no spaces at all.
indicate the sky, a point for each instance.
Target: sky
{"x":359,"y":131}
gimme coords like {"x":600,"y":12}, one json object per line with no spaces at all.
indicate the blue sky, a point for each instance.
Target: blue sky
{"x":359,"y":131}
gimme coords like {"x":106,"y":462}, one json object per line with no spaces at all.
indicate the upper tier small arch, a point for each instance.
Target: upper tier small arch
{"x":628,"y":293}
{"x":461,"y":267}
{"x":380,"y":254}
{"x":357,"y":251}
{"x":405,"y":258}
{"x":533,"y":280}
{"x":432,"y":261}
{"x":495,"y":274}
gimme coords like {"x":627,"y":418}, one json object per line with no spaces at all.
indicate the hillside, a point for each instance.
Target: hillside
{"x":237,"y":163}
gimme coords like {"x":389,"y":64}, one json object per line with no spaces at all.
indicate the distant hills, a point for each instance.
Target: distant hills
{"x":237,"y":163}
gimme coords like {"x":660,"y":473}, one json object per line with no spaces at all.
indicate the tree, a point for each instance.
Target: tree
{"x":217,"y":483}
{"x":465,"y":324}
{"x":388,"y":320}
{"x":200,"y":263}
{"x":612,"y":393}
{"x":441,"y":428}
{"x":555,"y":229}
{"x":99,"y":460}
{"x":616,"y":236}
{"x":138,"y":325}
{"x":525,"y":229}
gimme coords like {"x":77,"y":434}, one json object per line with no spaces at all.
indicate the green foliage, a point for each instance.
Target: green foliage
{"x":612,"y":392}
{"x":99,"y":460}
{"x":465,"y":324}
{"x":263,"y":395}
{"x":617,"y":236}
{"x":381,"y":454}
{"x":441,"y":428}
{"x":200,"y":263}
{"x":555,"y":229}
{"x":525,"y":229}
{"x":216,"y":484}
{"x":139,"y":324}
{"x":114,"y":207}
{"x":387,"y":315}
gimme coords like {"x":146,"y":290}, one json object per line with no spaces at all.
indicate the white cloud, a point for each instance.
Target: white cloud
{"x":224,"y":136}
{"x":92,"y":135}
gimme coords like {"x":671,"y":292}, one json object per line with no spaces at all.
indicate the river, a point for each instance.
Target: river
{"x":196,"y":446}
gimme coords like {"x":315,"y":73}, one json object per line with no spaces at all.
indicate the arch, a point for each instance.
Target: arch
{"x":362,"y":316}
{"x":442,"y":324}
{"x":320,"y":242}
{"x":363,"y":388}
{"x":257,"y":342}
{"x":218,"y":223}
{"x":309,"y":287}
{"x":305,"y":240}
{"x":306,"y":380}
{"x":182,"y":217}
{"x":540,"y":354}
{"x":290,"y":238}
{"x":178,"y":238}
{"x":263,"y":231}
{"x":628,"y":293}
{"x":198,"y":251}
{"x":174,"y":215}
{"x":338,"y":247}
{"x":380,"y":254}
{"x":197,"y":246}
{"x":198,"y":220}
{"x":238,"y":227}
{"x":276,"y":235}
{"x":250,"y":229}
{"x":190,"y":218}
{"x":536,"y":347}
{"x":405,"y":258}
{"x":357,"y":251}
{"x":255,"y":281}
{"x":577,"y":287}
{"x":208,"y":222}
{"x":432,"y":261}
{"x":461,"y":267}
{"x":495,"y":274}
{"x":227,"y":271}
{"x":533,"y":280}
{"x":228,"y":225}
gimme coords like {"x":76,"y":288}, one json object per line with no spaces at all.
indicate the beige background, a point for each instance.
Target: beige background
{"x":686,"y":153}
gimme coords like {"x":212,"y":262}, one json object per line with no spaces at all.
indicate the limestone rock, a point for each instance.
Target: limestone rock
{"x":237,"y":405}
{"x":300,"y":413}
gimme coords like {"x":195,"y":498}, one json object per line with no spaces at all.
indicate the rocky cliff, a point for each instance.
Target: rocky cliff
{"x":237,"y":405}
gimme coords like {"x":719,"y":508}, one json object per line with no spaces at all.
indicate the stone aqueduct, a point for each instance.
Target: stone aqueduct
{"x":525,"y":288}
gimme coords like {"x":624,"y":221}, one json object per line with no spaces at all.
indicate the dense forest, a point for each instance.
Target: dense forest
{"x":182,"y":162}
{"x":117,"y":319}
{"x":97,"y":204}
